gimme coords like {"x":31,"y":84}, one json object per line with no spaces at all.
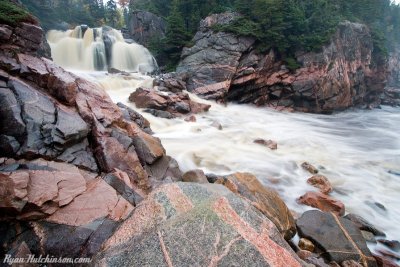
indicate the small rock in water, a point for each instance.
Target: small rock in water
{"x":392,"y":244}
{"x":363,"y":224}
{"x":368,"y":236}
{"x":268,"y":143}
{"x":195,"y":176}
{"x":321,"y":182}
{"x":384,"y":262}
{"x":191,"y":118}
{"x":217,"y":125}
{"x":310,"y":168}
{"x":306,"y":244}
{"x":389,"y":254}
{"x":322,"y":202}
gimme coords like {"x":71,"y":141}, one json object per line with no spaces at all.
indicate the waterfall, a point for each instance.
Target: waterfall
{"x":98,"y":49}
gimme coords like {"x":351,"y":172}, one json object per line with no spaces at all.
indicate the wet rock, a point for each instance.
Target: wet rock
{"x":191,"y":118}
{"x":306,"y":244}
{"x":217,"y":125}
{"x":264,"y":199}
{"x":322,"y":202}
{"x":160,"y":231}
{"x":11,"y":122}
{"x":363,"y":224}
{"x":368,"y":236}
{"x":170,"y":82}
{"x":339,"y":238}
{"x":131,"y":115}
{"x":176,"y":104}
{"x":111,"y":154}
{"x":321,"y":182}
{"x":389,"y":254}
{"x":383,"y":262}
{"x":392,"y":244}
{"x":310,"y":168}
{"x":195,"y":176}
{"x":268,"y":143}
{"x":148,"y":148}
{"x":351,"y":263}
{"x":164,"y":168}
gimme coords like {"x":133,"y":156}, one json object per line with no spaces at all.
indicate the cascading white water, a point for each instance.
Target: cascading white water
{"x":98,"y":49}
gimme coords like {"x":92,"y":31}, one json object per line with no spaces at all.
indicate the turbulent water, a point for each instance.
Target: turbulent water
{"x":358,"y":150}
{"x":87,"y":49}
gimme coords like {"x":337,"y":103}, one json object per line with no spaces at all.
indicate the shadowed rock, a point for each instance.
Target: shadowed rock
{"x":339,"y":238}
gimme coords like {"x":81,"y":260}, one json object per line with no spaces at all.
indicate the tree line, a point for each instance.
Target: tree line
{"x":94,"y":13}
{"x":286,"y":26}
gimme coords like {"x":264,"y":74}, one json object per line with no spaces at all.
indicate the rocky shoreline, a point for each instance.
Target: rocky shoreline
{"x":81,"y":176}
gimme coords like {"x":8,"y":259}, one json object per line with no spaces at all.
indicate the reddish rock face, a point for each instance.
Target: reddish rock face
{"x":264,"y":199}
{"x":166,"y":104}
{"x":186,"y":224}
{"x":321,"y":182}
{"x":322,"y":202}
{"x":344,"y":74}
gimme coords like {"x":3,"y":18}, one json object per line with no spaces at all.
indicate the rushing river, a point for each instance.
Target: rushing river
{"x":358,"y":150}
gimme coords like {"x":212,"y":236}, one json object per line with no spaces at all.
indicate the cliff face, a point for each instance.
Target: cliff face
{"x":224,"y":66}
{"x":145,"y":26}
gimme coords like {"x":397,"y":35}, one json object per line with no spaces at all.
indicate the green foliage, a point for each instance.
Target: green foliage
{"x":13,"y":14}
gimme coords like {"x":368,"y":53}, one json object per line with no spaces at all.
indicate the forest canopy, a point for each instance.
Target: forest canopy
{"x":284,"y":25}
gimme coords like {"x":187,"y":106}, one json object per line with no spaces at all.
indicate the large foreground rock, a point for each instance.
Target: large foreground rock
{"x":225,"y":66}
{"x":188,"y":224}
{"x":264,"y":199}
{"x":339,"y":238}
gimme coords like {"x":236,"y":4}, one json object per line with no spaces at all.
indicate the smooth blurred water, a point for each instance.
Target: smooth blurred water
{"x":358,"y":150}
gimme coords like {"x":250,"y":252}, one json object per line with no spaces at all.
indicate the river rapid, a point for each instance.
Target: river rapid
{"x":357,"y":150}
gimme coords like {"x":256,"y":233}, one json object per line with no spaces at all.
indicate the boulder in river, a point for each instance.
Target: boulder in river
{"x":176,"y":104}
{"x":322,"y":202}
{"x":339,"y":238}
{"x":321,"y":182}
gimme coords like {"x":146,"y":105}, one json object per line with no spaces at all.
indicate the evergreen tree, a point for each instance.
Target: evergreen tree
{"x":176,"y":35}
{"x":112,"y":13}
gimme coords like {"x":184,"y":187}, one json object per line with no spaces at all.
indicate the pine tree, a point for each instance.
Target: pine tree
{"x":112,"y":13}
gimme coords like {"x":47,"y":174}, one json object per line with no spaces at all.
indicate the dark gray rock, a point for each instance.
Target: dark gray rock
{"x":145,"y":27}
{"x":10,"y":120}
{"x":338,"y":238}
{"x":132,"y":115}
{"x":362,"y":224}
{"x":9,"y":146}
